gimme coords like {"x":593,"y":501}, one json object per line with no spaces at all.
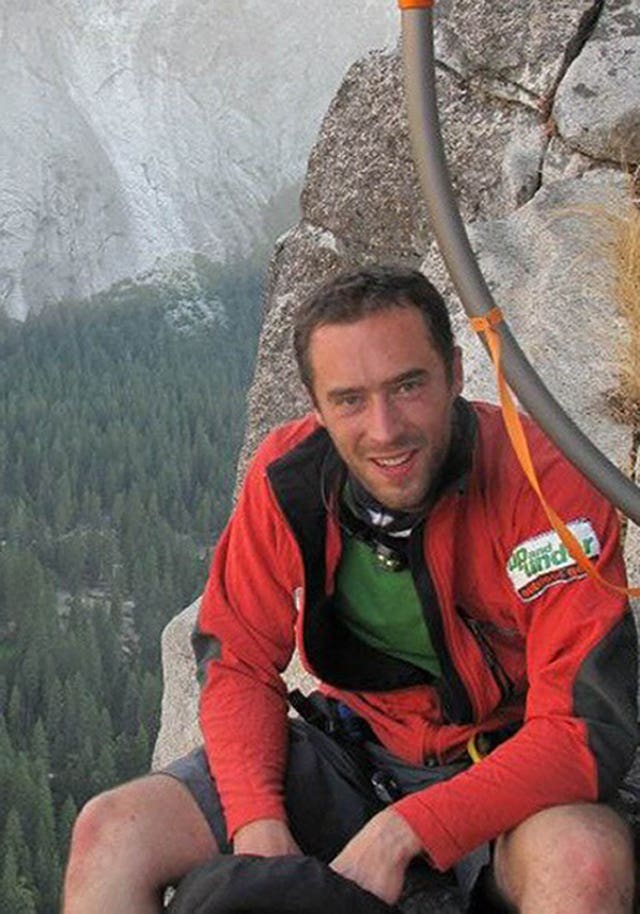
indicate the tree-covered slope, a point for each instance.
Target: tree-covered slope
{"x":120,"y":422}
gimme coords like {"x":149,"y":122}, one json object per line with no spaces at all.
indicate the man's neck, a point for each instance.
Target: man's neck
{"x":370,"y":511}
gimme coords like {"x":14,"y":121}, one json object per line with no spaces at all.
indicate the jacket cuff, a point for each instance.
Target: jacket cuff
{"x":240,"y":814}
{"x":438,"y":843}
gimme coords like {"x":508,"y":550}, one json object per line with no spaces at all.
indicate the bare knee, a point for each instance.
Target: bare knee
{"x":147,"y":832}
{"x":128,"y":843}
{"x":105,"y":833}
{"x":580,"y":857}
{"x":598,"y":860}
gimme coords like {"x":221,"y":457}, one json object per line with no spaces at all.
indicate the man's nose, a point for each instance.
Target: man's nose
{"x":383,"y":420}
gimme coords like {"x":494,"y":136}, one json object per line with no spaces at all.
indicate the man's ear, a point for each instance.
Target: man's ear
{"x":457,"y":371}
{"x":318,"y":415}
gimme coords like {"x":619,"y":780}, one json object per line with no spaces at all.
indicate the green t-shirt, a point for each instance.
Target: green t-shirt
{"x":382,"y":607}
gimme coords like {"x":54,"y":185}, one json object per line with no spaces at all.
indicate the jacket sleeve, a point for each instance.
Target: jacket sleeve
{"x":243,"y":641}
{"x":580,"y":726}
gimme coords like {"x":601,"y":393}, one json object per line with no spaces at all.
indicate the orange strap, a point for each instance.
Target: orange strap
{"x":487,"y":324}
{"x":416,"y":4}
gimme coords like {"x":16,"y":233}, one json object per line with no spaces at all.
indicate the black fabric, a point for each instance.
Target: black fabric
{"x":609,"y":703}
{"x":275,"y":885}
{"x":376,"y":515}
{"x":456,"y":702}
{"x":329,"y":796}
{"x":393,"y":547}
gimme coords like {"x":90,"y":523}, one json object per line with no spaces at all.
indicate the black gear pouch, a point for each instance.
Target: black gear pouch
{"x":245,"y":884}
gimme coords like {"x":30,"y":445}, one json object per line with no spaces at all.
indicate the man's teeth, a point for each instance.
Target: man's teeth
{"x":392,"y":461}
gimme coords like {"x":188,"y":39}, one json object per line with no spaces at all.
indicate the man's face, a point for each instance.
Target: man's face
{"x":381,"y":390}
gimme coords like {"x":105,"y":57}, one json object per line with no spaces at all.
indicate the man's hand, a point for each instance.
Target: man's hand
{"x":377,"y":857}
{"x":265,"y":838}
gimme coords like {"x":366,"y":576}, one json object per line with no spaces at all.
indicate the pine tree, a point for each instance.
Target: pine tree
{"x":13,"y":841}
{"x":6,"y":746}
{"x":104,"y":772}
{"x":29,"y":678}
{"x":7,"y":759}
{"x":150,"y":703}
{"x":15,"y":895}
{"x":15,"y":717}
{"x":4,"y":694}
{"x":46,"y":863}
{"x":63,"y":511}
{"x":66,"y":818}
{"x":39,"y":748}
{"x":141,"y":752}
{"x":131,"y":706}
{"x":24,"y":794}
{"x":54,"y":715}
{"x":48,"y":876}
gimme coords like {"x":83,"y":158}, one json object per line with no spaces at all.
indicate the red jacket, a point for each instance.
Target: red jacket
{"x":520,"y":633}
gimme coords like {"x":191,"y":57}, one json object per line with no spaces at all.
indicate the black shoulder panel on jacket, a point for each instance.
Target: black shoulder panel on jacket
{"x":605,"y":696}
{"x":304,"y":482}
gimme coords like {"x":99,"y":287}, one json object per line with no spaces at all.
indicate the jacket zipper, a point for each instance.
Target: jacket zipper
{"x":456,"y":701}
{"x":501,"y":678}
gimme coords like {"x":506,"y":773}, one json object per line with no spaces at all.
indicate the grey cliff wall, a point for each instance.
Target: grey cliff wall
{"x":540,"y":105}
{"x":135,"y":132}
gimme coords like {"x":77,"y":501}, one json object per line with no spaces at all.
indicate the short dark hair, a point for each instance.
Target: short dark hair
{"x":349,"y":297}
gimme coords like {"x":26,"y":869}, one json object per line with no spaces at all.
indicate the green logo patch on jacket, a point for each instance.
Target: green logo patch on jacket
{"x":542,"y":561}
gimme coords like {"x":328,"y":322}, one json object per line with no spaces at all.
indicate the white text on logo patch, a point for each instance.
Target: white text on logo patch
{"x":543,"y":560}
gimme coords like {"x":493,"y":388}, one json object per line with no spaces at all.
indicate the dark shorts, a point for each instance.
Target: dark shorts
{"x":330,"y":793}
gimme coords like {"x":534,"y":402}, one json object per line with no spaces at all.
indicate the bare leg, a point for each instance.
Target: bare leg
{"x":576,"y":859}
{"x":129,"y":843}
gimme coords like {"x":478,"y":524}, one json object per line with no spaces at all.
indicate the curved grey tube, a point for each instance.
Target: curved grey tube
{"x":428,"y":153}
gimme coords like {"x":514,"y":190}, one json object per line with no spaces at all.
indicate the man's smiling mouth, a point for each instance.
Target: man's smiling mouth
{"x":397,"y":461}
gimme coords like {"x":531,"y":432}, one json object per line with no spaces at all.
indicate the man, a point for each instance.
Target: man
{"x":394,"y":532}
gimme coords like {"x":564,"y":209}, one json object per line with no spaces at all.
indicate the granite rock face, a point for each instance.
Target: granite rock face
{"x":516,"y":49}
{"x":132,"y":132}
{"x":548,"y":269}
{"x":597,"y":107}
{"x":364,"y":144}
{"x":179,"y":713}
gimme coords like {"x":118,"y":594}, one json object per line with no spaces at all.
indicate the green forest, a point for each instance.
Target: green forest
{"x":121,"y":420}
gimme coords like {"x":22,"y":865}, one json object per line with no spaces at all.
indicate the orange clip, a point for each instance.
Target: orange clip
{"x":416,"y":4}
{"x":487,"y":321}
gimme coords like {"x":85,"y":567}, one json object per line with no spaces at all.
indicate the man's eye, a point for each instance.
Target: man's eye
{"x":409,"y":386}
{"x":348,"y":402}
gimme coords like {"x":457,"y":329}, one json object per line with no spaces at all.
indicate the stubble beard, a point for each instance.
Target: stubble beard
{"x":394,"y":498}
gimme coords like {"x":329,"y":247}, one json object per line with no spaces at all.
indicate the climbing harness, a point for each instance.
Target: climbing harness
{"x":337,"y":720}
